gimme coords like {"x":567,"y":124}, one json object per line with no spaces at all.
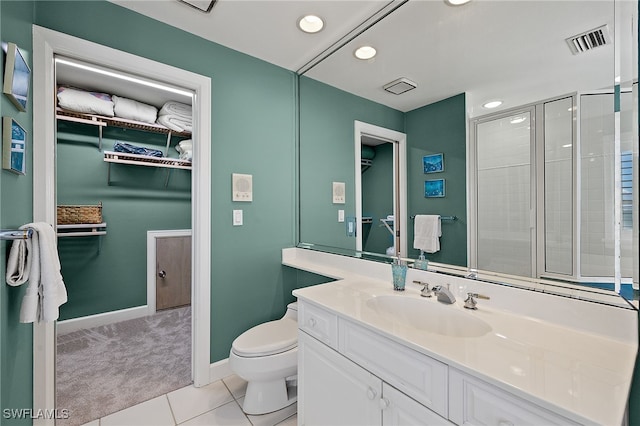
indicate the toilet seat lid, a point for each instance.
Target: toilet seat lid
{"x":267,"y":339}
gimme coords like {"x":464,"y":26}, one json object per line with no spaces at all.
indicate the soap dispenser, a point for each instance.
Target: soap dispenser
{"x":421,"y":262}
{"x":399,"y":272}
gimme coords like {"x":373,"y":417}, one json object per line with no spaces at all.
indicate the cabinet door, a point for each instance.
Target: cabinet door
{"x":474,"y":402}
{"x":400,"y":410}
{"x":333,"y":390}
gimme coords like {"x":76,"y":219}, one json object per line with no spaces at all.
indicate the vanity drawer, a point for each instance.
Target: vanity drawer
{"x":474,"y":402}
{"x":417,"y":375}
{"x":318,"y":323}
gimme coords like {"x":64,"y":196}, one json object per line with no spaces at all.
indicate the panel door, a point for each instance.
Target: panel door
{"x":173,"y":272}
{"x":333,"y":390}
{"x":400,"y":410}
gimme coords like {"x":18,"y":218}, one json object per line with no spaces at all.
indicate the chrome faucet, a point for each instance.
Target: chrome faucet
{"x":444,"y":294}
{"x":470,"y":301}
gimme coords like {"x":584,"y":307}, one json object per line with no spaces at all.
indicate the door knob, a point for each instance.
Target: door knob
{"x":162,"y":274}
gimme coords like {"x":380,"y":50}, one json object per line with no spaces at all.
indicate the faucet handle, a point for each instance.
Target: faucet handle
{"x":426,"y":291}
{"x":470,"y":302}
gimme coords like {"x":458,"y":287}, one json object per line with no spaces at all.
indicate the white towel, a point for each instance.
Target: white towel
{"x":177,"y":109}
{"x":36,"y":260}
{"x":175,"y":123}
{"x":426,"y":233}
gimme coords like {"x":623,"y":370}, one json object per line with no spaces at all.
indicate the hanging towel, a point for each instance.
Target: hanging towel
{"x":426,"y":233}
{"x":36,"y":260}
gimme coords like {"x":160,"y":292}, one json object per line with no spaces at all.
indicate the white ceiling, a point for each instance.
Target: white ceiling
{"x":514,"y":50}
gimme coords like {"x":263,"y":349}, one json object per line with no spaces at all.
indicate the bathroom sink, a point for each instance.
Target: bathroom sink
{"x":425,"y":315}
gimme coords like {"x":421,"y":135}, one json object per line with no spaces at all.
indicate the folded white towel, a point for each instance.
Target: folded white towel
{"x":177,"y":109}
{"x":134,"y":110}
{"x":185,"y":145}
{"x":426,"y":233}
{"x":36,"y":260}
{"x":174,"y":123}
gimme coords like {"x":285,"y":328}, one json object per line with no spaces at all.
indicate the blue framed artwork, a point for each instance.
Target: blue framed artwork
{"x":434,"y":188}
{"x":14,"y":145}
{"x":17,"y":76}
{"x":433,"y":163}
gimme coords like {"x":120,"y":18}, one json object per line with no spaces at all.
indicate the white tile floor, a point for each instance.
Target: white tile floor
{"x":218,"y":403}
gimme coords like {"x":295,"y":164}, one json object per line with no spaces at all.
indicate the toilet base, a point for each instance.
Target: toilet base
{"x":266,"y":397}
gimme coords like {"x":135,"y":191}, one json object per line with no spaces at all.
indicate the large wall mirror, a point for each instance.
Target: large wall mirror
{"x":543,"y":187}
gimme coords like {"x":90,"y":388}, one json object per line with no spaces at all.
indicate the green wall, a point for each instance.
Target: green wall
{"x":108,"y":273}
{"x":16,"y":206}
{"x":327,"y":154}
{"x":432,"y":129}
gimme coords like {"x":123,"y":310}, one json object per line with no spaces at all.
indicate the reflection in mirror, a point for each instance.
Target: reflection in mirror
{"x":552,"y":201}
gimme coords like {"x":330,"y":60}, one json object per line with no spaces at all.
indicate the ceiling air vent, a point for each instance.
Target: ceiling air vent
{"x":589,"y":40}
{"x":399,"y":86}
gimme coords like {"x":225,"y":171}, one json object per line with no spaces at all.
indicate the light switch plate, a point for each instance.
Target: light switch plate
{"x":237,"y":218}
{"x":340,"y":215}
{"x":338,"y":193}
{"x":242,"y":187}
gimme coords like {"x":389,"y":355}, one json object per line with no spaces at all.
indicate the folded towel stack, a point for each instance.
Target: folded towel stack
{"x":86,"y":102}
{"x":185,"y":148}
{"x":176,"y":116}
{"x":36,"y":260}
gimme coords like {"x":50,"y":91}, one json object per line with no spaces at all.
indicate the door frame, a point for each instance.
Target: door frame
{"x":399,"y":172}
{"x":46,"y":44}
{"x":152,"y":236}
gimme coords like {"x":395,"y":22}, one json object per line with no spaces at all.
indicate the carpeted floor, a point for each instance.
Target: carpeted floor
{"x":105,"y":369}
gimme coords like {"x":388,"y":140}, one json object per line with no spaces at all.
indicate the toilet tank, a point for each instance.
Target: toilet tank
{"x":292,"y":311}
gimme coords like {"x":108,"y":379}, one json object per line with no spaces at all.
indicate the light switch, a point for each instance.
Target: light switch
{"x":237,"y":218}
{"x":340,"y":215}
{"x":242,"y":187}
{"x":338,"y":193}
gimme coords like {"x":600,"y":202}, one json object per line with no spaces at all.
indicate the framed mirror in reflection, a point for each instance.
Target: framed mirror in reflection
{"x":544,"y":186}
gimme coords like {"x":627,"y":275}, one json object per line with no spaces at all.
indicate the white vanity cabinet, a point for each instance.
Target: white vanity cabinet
{"x":351,"y":375}
{"x":335,"y":390}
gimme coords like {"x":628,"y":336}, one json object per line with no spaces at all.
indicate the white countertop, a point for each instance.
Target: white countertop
{"x":582,"y":375}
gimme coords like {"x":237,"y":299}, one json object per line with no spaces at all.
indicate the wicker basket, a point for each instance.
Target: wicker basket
{"x":73,"y":215}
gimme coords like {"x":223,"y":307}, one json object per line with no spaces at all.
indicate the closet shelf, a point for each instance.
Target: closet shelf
{"x":82,"y":230}
{"x":146,"y":160}
{"x":102,"y":120}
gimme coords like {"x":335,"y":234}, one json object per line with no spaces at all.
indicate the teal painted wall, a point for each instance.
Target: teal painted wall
{"x":377,"y":199}
{"x":432,"y":129}
{"x":16,"y":206}
{"x":253,"y":131}
{"x":327,"y":155}
{"x":108,"y":273}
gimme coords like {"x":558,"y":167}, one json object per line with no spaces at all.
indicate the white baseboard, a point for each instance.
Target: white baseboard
{"x":219,"y":370}
{"x":67,"y":326}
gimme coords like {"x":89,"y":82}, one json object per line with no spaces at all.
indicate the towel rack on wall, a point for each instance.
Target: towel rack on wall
{"x":441,"y":217}
{"x":16,"y":234}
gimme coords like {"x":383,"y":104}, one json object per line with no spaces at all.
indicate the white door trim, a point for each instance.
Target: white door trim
{"x":47,"y":43}
{"x":360,"y":129}
{"x":151,"y":262}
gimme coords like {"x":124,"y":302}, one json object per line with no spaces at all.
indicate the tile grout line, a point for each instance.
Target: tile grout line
{"x":175,"y":421}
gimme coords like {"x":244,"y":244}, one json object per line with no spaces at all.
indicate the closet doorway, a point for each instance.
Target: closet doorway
{"x":48,"y":44}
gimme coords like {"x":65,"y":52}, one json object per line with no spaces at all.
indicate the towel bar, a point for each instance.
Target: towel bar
{"x":16,"y":234}
{"x":441,"y":217}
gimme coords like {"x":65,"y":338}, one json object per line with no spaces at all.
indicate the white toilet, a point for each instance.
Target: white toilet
{"x":266,"y":356}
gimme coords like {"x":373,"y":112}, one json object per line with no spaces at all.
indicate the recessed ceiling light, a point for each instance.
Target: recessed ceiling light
{"x":492,"y":104}
{"x":365,"y":52}
{"x":456,"y":2}
{"x":310,"y":24}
